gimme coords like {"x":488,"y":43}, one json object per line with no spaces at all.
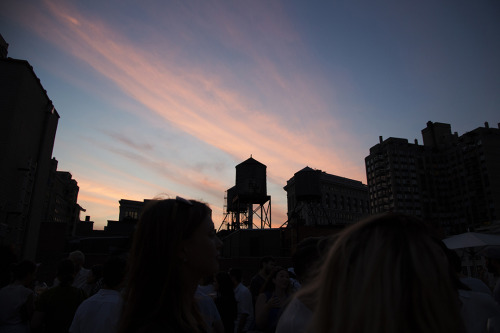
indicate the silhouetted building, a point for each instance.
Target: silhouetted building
{"x":27,"y":133}
{"x":62,"y":196}
{"x":61,"y":215}
{"x":393,"y":173}
{"x":451,"y":181}
{"x":316,"y":198}
{"x":252,"y":243}
{"x":130,"y":211}
{"x":84,"y":228}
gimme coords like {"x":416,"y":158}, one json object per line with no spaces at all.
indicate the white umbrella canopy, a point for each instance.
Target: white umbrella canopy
{"x":471,"y":239}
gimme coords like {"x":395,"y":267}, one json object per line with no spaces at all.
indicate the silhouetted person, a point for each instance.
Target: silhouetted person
{"x":175,"y":245}
{"x":17,"y":299}
{"x":81,"y":273}
{"x":272,"y":300}
{"x":479,"y":310}
{"x":266,"y":266}
{"x":388,"y":273}
{"x":209,"y":312}
{"x":245,"y":319}
{"x":94,"y":279}
{"x":101,"y":312}
{"x":471,"y":283}
{"x":56,"y":307}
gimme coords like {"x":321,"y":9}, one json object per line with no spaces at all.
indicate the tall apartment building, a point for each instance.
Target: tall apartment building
{"x":317,"y":198}
{"x":451,"y":181}
{"x":61,"y":201}
{"x":27,"y":134}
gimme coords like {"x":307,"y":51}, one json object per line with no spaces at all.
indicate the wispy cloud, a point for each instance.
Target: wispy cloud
{"x":128,"y":141}
{"x":199,"y":102}
{"x":257,"y":108}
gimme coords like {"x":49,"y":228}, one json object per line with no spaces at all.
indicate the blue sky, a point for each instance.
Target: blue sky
{"x":167,"y":97}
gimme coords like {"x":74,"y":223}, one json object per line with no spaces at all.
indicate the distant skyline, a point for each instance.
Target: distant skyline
{"x":167,"y":97}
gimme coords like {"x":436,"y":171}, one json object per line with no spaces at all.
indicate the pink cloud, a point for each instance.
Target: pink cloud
{"x":200,"y":102}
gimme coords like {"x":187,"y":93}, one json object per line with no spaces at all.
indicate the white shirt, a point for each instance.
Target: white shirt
{"x":295,"y":319}
{"x":99,"y":313}
{"x":80,"y":280}
{"x":476,"y":285}
{"x":478,"y":310}
{"x":12,"y":299}
{"x":207,"y":308}
{"x":243,"y":297}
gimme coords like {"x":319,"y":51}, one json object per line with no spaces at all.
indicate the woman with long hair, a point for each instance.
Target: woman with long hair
{"x":272,"y":299}
{"x":174,"y":246}
{"x":388,"y":273}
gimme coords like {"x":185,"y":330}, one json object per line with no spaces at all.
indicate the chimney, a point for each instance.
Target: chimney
{"x":416,"y":141}
{"x":87,"y":218}
{"x":380,"y":139}
{"x":486,"y":124}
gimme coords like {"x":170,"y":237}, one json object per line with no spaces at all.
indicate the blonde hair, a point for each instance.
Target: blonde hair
{"x":385,"y":274}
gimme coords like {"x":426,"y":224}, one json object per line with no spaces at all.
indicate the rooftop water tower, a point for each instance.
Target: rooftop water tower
{"x":307,"y":185}
{"x":250,"y":190}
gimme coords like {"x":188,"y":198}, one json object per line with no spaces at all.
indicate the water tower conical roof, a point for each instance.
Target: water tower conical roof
{"x":251,"y":160}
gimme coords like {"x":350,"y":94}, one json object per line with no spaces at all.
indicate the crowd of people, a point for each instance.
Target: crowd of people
{"x":388,"y":273}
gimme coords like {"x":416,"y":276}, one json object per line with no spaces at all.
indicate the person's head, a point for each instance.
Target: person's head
{"x":179,"y":233}
{"x":113,"y":272}
{"x":78,"y":258}
{"x":66,"y":272}
{"x":174,"y":246}
{"x":24,"y":271}
{"x":279,"y":278}
{"x":267,"y":264}
{"x":388,"y":273}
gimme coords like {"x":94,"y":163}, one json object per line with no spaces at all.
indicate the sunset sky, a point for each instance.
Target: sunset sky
{"x":167,"y":97}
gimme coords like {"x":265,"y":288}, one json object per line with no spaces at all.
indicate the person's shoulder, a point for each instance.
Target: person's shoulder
{"x":295,"y":318}
{"x":245,"y":289}
{"x":13,"y":289}
{"x":478,"y":299}
{"x":476,"y":285}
